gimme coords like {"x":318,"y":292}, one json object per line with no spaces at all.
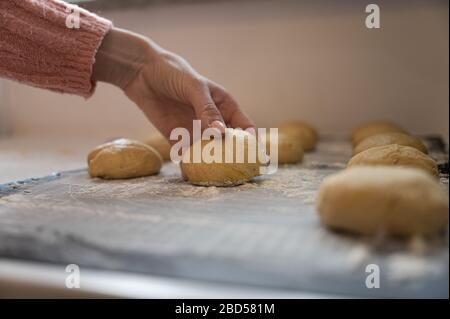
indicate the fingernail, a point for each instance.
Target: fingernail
{"x":218,"y":125}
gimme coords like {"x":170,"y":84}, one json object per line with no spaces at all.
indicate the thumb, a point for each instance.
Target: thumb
{"x":205,"y":109}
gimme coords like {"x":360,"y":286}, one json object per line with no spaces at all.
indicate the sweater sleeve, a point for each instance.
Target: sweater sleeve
{"x":41,"y":44}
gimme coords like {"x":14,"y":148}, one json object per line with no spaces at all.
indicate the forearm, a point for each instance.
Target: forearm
{"x":37,"y":47}
{"x":120,"y":57}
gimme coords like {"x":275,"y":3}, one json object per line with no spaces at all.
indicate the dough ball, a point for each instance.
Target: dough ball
{"x":364,"y":131}
{"x":395,"y":155}
{"x":390,"y":138}
{"x":222,"y":173}
{"x":290,"y":150}
{"x":161,"y":144}
{"x":123,"y":158}
{"x":303,"y":131}
{"x":383,"y":199}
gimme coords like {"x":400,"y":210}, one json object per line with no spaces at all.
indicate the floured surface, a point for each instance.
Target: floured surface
{"x":261,"y":233}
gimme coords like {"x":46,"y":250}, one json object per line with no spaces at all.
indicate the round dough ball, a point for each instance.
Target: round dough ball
{"x":222,"y":173}
{"x":161,"y":144}
{"x":290,"y":150}
{"x":395,"y":155}
{"x":390,"y":138}
{"x":389,"y":200}
{"x":364,"y":131}
{"x":123,"y":158}
{"x":304,"y":132}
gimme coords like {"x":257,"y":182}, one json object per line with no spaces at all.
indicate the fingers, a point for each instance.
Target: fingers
{"x":205,"y":108}
{"x":230,"y":110}
{"x":239,"y":119}
{"x":215,"y":107}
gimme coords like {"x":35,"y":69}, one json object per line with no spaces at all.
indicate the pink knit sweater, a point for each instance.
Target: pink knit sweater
{"x":38,"y":46}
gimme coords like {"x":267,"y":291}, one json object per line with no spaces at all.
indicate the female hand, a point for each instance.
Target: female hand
{"x":164,"y":86}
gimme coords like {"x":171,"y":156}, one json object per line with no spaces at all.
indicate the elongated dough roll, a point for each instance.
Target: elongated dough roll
{"x":222,"y":173}
{"x":290,"y":150}
{"x":368,"y":129}
{"x":390,"y":138}
{"x":123,"y":158}
{"x":302,"y":131}
{"x":161,"y":144}
{"x":390,"y":200}
{"x":395,"y":155}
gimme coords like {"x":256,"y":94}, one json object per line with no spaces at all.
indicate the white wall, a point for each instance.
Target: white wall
{"x":281,"y":60}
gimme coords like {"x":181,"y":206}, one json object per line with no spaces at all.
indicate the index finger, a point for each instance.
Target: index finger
{"x":231,"y":112}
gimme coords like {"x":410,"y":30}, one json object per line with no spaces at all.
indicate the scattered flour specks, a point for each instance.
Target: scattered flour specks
{"x":404,"y":267}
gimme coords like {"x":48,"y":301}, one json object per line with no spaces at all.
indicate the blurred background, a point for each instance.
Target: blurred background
{"x":311,"y":60}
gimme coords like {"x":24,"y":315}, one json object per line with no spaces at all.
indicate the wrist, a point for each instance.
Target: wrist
{"x":120,"y":57}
